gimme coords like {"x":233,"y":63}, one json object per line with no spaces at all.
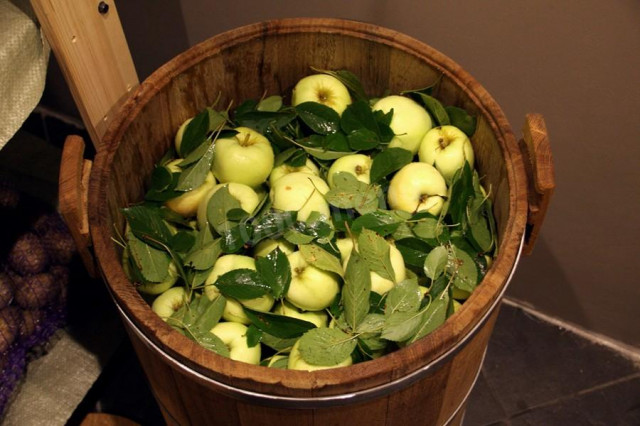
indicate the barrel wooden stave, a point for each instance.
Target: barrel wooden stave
{"x":266,"y":59}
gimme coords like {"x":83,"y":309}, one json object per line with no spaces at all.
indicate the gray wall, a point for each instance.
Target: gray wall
{"x":577,"y":62}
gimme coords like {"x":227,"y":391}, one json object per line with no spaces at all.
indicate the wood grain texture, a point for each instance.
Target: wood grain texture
{"x":93,"y":55}
{"x":270,"y":57}
{"x":536,"y":149}
{"x":73,"y":183}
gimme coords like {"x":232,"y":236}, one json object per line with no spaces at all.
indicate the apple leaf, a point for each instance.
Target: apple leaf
{"x":151,"y":262}
{"x":463,"y":268}
{"x":264,"y":121}
{"x":193,"y":176}
{"x":461,"y":119}
{"x":461,"y":191}
{"x":414,"y":250}
{"x":348,"y":79}
{"x":349,"y":193}
{"x":208,"y":340}
{"x":363,"y":128}
{"x":277,"y":343}
{"x":242,"y":284}
{"x":270,"y":103}
{"x":218,"y":206}
{"x":389,"y":161}
{"x":362,"y":140}
{"x":320,"y":118}
{"x":203,"y":257}
{"x":147,"y":224}
{"x":204,"y":313}
{"x":194,"y":156}
{"x":281,"y":362}
{"x":326,"y":346}
{"x":435,"y":108}
{"x":383,"y":222}
{"x":432,"y":317}
{"x":400,"y":326}
{"x":275,"y":271}
{"x":321,"y":259}
{"x":254,"y":336}
{"x":279,"y":326}
{"x":166,"y":193}
{"x":436,"y":262}
{"x":355,"y":291}
{"x":271,"y":224}
{"x":403,"y":297}
{"x":375,"y":251}
{"x":195,"y":133}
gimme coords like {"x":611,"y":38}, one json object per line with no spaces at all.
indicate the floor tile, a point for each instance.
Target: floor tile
{"x":531,"y":362}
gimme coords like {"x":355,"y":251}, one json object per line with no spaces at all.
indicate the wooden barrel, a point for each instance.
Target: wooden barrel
{"x":425,"y":383}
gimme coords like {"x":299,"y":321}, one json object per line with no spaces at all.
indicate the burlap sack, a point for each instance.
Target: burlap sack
{"x":24,"y":55}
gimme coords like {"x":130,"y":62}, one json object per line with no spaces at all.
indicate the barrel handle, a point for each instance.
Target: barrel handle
{"x":73,"y":186}
{"x":536,"y":150}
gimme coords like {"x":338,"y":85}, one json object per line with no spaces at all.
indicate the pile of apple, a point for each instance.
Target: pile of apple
{"x":317,"y":234}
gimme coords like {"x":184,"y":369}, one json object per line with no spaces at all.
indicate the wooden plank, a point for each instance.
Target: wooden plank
{"x":91,"y":48}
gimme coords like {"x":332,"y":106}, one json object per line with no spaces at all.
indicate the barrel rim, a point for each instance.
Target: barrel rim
{"x":322,"y":382}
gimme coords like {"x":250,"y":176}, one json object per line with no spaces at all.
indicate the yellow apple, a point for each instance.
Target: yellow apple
{"x":300,"y":192}
{"x":417,"y":187}
{"x":234,"y":335}
{"x":324,"y":89}
{"x":447,"y":148}
{"x":359,"y":165}
{"x":246,"y":157}
{"x":410,"y":121}
{"x":311,"y":289}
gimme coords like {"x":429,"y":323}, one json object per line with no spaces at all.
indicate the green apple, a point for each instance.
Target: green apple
{"x":234,"y":335}
{"x":417,"y":187}
{"x":246,"y":157}
{"x":187,"y":204}
{"x":296,"y":362}
{"x":324,"y":89}
{"x":410,"y":121}
{"x":266,"y":246}
{"x":247,"y":197}
{"x":177,"y":140}
{"x":300,"y":192}
{"x":284,"y":169}
{"x":233,"y":308}
{"x":358,"y":165}
{"x":319,"y":318}
{"x":168,"y":302}
{"x":447,"y":148}
{"x":275,"y":359}
{"x":311,"y":289}
{"x":379,"y":284}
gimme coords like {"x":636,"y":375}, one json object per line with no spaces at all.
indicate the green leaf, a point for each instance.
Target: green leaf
{"x":161,"y":179}
{"x":270,"y":103}
{"x":432,"y":317}
{"x":389,"y":161}
{"x":435,"y":108}
{"x":195,"y":133}
{"x":275,"y":271}
{"x":236,"y":238}
{"x":272,"y":223}
{"x":414,"y":251}
{"x":282,"y":363}
{"x":400,"y":326}
{"x":461,"y":191}
{"x":383,"y":222}
{"x":355,"y":291}
{"x":220,"y":203}
{"x":242,"y":284}
{"x":436,"y":262}
{"x":461,"y":119}
{"x":204,"y":257}
{"x":182,"y":241}
{"x":194,"y":176}
{"x":462,"y":267}
{"x":147,"y":224}
{"x":151,"y":262}
{"x":208,"y":312}
{"x":363,"y":140}
{"x":348,"y":79}
{"x":264,"y":122}
{"x":320,"y":118}
{"x":428,"y":228}
{"x":321,"y":259}
{"x":349,"y":193}
{"x":254,"y":336}
{"x":277,"y":343}
{"x":279,"y":326}
{"x":375,"y":251}
{"x":209,"y":341}
{"x":404,"y":297}
{"x":326,"y":346}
